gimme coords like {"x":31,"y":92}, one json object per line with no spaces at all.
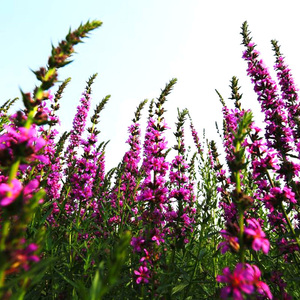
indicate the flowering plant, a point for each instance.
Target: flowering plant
{"x":169,"y":222}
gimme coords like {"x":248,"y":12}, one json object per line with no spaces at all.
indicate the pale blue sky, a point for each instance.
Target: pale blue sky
{"x":141,"y":46}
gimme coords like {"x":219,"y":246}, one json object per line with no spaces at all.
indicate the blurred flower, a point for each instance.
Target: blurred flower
{"x":256,"y":236}
{"x":21,"y":258}
{"x":240,"y":281}
{"x":143,"y":275}
{"x":9,"y":192}
{"x":261,"y":287}
{"x":243,"y":280}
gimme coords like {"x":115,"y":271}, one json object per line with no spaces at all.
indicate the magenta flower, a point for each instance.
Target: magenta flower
{"x":231,"y":242}
{"x":21,"y":141}
{"x":127,"y":183}
{"x":143,"y":275}
{"x":136,"y":243}
{"x":26,"y":136}
{"x":243,"y":280}
{"x":289,"y":195}
{"x":262,"y":288}
{"x":277,"y":195}
{"x":79,"y":122}
{"x":157,"y":237}
{"x":9,"y":192}
{"x":181,"y":215}
{"x":147,"y":257}
{"x":239,"y":282}
{"x":53,"y":186}
{"x":196,"y":139}
{"x":256,"y":236}
{"x":289,"y":91}
{"x":22,"y":258}
{"x":30,"y":188}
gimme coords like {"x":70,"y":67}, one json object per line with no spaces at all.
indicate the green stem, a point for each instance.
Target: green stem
{"x":240,"y":212}
{"x":203,"y":227}
{"x":215,"y":258}
{"x":30,"y":117}
{"x":241,"y":234}
{"x":172,"y":267}
{"x":14,"y":170}
{"x":2,"y":279}
{"x":5,"y":231}
{"x":290,"y":224}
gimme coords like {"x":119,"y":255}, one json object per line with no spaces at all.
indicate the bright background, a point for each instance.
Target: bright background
{"x":139,"y":48}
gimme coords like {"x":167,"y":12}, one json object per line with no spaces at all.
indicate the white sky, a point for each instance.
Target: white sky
{"x":140,"y":47}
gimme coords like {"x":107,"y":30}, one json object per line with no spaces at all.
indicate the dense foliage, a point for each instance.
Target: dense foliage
{"x":168,"y":222}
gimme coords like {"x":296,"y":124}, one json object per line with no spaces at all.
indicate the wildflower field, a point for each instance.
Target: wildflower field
{"x":170,"y":221}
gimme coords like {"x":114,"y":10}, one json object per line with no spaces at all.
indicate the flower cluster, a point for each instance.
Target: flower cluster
{"x":26,"y":154}
{"x":180,"y":216}
{"x":153,"y":195}
{"x":151,"y":222}
{"x":239,"y":237}
{"x":124,"y":194}
{"x":245,"y":279}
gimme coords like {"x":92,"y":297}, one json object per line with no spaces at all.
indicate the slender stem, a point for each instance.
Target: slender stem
{"x":30,"y":117}
{"x":240,"y":211}
{"x":2,"y":279}
{"x":289,"y":223}
{"x":241,"y":219}
{"x":203,"y":227}
{"x":215,"y":258}
{"x":5,"y":231}
{"x":14,"y":170}
{"x":241,"y":234}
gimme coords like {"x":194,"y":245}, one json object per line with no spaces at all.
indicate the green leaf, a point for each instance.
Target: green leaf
{"x":179,"y":288}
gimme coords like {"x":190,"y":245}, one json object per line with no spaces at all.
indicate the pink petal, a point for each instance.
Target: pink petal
{"x":257,"y":244}
{"x":6,"y":201}
{"x":263,"y":288}
{"x":138,"y":280}
{"x":225,"y":292}
{"x":4,"y":187}
{"x":247,"y":288}
{"x":31,"y":186}
{"x":237,"y":295}
{"x":265,"y":246}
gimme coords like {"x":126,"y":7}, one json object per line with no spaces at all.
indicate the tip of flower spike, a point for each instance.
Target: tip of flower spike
{"x":220,"y":98}
{"x":93,"y":24}
{"x":165,"y":92}
{"x":246,"y":34}
{"x":60,"y":54}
